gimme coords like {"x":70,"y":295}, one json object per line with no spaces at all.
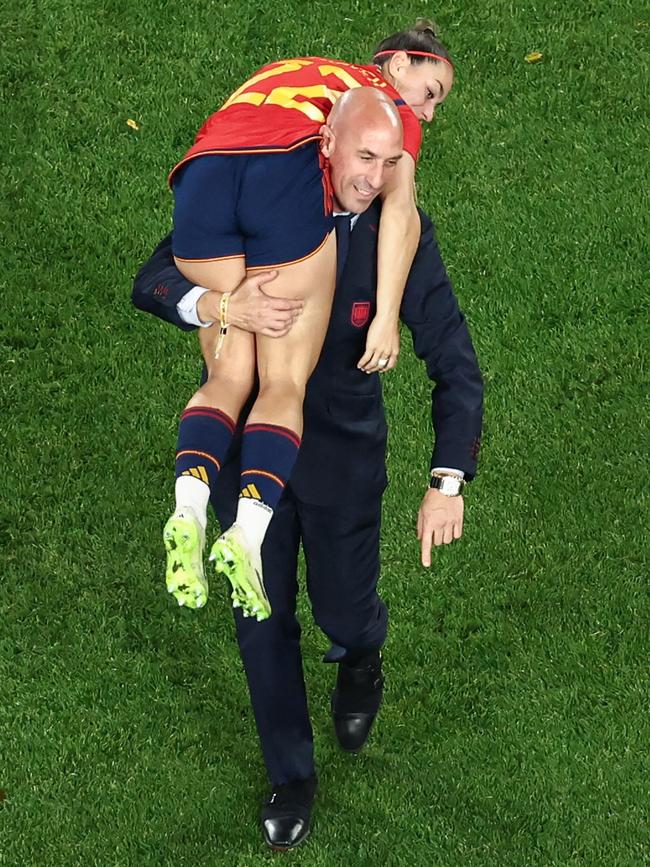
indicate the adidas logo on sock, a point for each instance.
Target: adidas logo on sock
{"x":250,"y":491}
{"x":198,"y":473}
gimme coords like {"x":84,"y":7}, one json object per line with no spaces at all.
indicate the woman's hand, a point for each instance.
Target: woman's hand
{"x":382,"y":346}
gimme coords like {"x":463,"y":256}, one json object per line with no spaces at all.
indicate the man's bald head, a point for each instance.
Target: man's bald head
{"x":364,"y":106}
{"x":363,"y":142}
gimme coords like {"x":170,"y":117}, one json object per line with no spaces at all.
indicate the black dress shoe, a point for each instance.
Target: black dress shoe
{"x":356,"y":700}
{"x":286,"y":815}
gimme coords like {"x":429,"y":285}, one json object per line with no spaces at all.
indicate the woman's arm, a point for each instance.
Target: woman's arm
{"x":399,"y":235}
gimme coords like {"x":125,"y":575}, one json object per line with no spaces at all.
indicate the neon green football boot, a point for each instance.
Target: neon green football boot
{"x":242,"y":566}
{"x":184,"y":539}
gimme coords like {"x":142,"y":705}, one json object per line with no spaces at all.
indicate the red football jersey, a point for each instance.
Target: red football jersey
{"x":285,"y":104}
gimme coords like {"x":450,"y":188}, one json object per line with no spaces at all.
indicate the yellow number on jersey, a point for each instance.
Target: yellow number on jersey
{"x":279,"y":69}
{"x":286,"y":96}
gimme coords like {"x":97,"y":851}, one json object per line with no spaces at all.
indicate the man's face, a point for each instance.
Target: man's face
{"x":362,"y":161}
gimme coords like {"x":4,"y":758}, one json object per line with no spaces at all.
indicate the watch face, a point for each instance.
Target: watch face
{"x":451,"y":486}
{"x":448,"y":485}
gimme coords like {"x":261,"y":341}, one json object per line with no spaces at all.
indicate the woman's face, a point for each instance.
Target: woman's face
{"x":423,"y":86}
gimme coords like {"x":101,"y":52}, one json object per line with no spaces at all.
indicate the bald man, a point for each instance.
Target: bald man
{"x":238,"y":212}
{"x":332,"y":504}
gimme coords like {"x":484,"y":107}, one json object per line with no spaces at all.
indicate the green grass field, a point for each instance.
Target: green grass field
{"x":515,"y":729}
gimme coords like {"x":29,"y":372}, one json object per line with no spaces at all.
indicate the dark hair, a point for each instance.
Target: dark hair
{"x":421,"y":37}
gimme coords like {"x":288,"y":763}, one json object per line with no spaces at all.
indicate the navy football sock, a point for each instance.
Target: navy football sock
{"x":204,"y":435}
{"x":268,"y":455}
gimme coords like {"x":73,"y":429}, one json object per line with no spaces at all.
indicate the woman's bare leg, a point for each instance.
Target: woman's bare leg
{"x":205,"y":432}
{"x":272,"y":434}
{"x":271,"y":438}
{"x":231,"y":376}
{"x":285,"y":364}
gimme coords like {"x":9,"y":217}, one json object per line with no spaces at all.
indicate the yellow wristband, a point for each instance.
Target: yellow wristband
{"x":223,"y":310}
{"x":223,"y":322}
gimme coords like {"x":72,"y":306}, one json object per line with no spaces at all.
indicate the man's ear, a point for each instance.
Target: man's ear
{"x":329,"y":140}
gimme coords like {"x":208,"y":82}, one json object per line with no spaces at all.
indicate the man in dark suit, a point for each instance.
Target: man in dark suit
{"x":341,"y":461}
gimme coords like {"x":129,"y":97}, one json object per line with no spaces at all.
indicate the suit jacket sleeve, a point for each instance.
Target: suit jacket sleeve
{"x":442,"y":341}
{"x":159,"y":286}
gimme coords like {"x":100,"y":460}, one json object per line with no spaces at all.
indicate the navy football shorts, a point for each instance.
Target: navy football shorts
{"x":272,"y":209}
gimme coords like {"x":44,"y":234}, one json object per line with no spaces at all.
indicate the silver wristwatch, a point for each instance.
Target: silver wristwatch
{"x":450,"y":486}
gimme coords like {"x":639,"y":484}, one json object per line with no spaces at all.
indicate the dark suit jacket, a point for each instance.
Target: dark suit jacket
{"x":342,"y":456}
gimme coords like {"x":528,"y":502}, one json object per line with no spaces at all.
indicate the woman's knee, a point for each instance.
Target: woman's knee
{"x":282,"y":389}
{"x":226,"y":392}
{"x":231,"y":377}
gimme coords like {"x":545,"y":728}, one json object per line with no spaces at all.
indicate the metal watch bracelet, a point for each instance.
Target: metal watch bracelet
{"x":447,"y":484}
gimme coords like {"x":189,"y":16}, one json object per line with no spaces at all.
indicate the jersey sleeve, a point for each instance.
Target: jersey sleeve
{"x":412,"y":131}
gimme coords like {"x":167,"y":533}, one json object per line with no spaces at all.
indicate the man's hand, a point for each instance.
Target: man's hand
{"x":382,"y":346}
{"x":251,"y":309}
{"x":440,"y":521}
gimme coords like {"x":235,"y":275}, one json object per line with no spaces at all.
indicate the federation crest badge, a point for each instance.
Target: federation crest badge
{"x":360,"y":313}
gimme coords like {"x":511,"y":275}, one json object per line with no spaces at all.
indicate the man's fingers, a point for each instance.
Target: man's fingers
{"x":275,"y":302}
{"x":425,"y":546}
{"x":277,"y":329}
{"x":281,"y":324}
{"x":280,"y":318}
{"x":438,"y":526}
{"x":429,"y":530}
{"x":274,"y":332}
{"x":253,"y":310}
{"x":264,"y":277}
{"x":438,"y":536}
{"x":286,"y":304}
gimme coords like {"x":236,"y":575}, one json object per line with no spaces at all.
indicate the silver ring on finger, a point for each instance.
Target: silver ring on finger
{"x":382,"y":362}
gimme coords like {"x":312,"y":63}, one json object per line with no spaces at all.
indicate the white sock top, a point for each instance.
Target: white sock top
{"x":254,"y":517}
{"x":194,"y":494}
